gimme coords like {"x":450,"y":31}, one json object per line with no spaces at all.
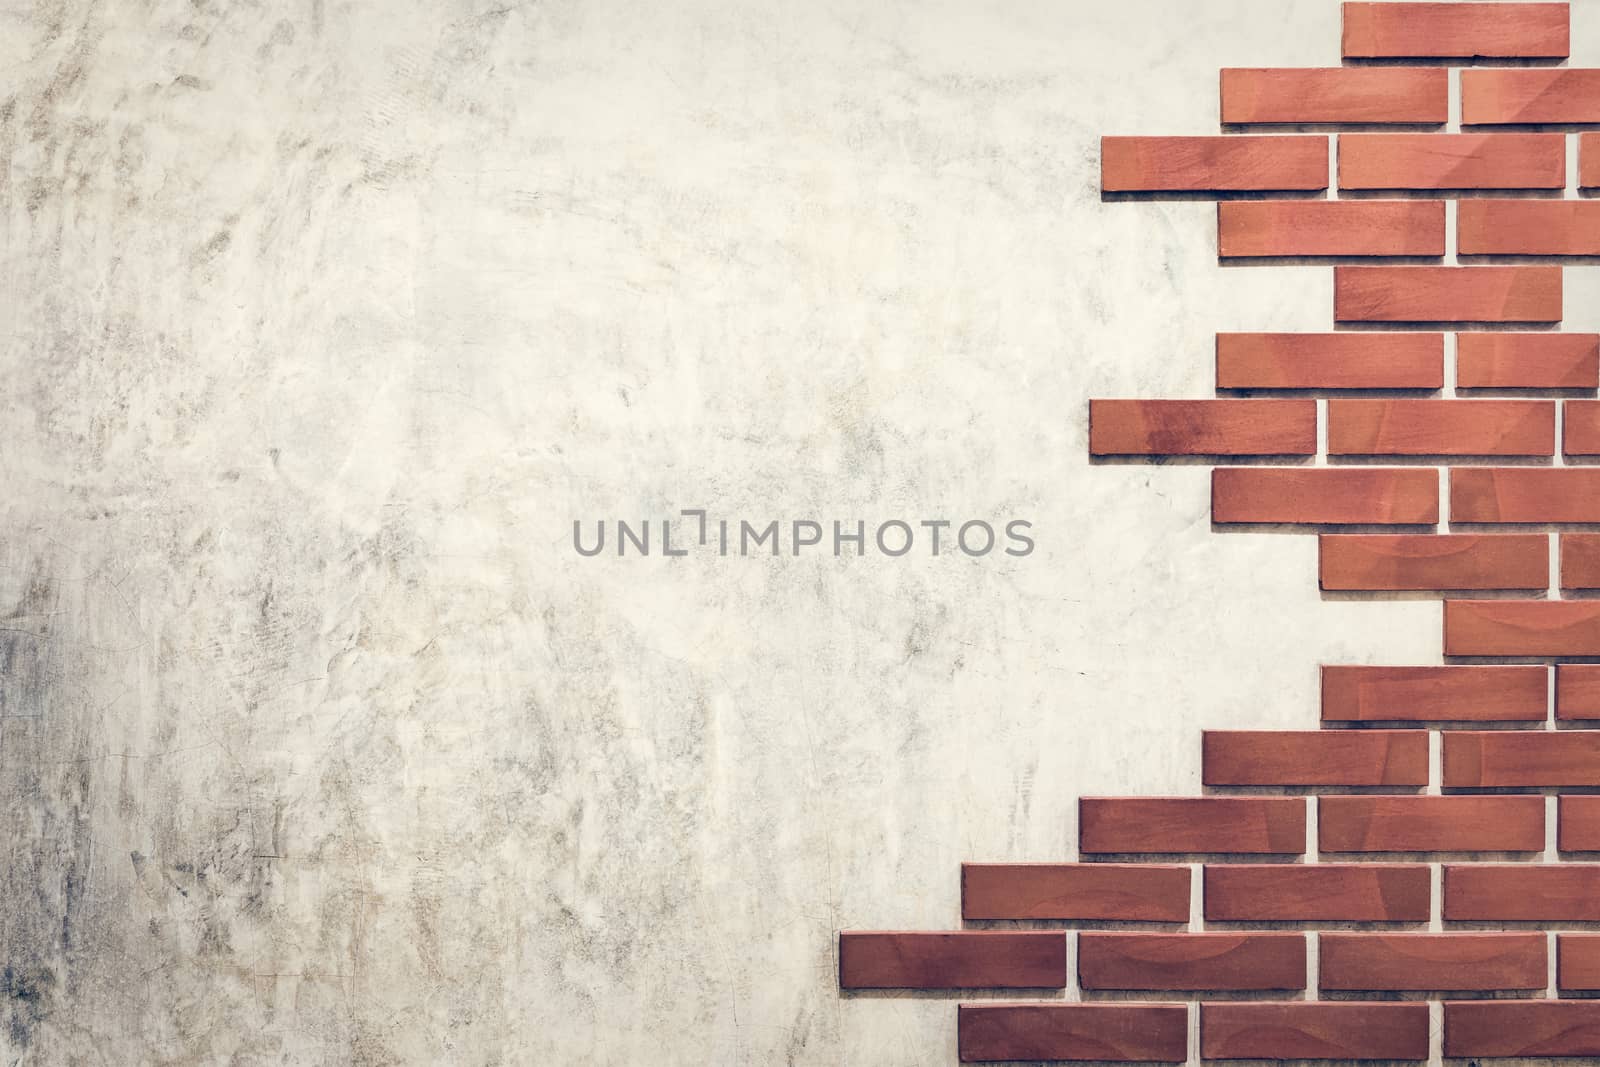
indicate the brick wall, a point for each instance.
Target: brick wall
{"x":1413,"y":877}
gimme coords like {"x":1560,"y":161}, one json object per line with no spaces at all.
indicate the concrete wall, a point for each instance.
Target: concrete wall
{"x":324,"y":321}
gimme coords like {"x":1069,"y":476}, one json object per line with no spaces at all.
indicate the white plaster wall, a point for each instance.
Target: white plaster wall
{"x":323,"y":321}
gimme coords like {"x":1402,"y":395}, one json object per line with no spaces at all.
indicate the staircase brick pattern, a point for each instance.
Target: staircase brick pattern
{"x":1411,"y":876}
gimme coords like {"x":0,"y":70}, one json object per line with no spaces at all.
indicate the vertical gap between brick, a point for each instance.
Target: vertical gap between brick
{"x":1554,"y":592}
{"x":1313,"y":834}
{"x":1194,"y":1033}
{"x":1322,"y":432}
{"x":1435,"y":1033}
{"x":1454,"y":92}
{"x":1450,"y":347}
{"x":1550,"y":964}
{"x":1333,"y":167}
{"x":1550,"y":697}
{"x":1436,"y":897}
{"x":1451,"y":209}
{"x":1313,"y":956}
{"x":1571,"y":145}
{"x":1197,"y":897}
{"x":1551,"y":854}
{"x":1073,"y":991}
{"x":1444,"y":502}
{"x":1560,"y":458}
{"x":1435,"y":762}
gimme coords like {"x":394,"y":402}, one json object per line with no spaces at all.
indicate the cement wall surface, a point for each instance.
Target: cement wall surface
{"x":323,"y":322}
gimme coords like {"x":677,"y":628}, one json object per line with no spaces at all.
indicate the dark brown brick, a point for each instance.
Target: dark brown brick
{"x":1317,"y":892}
{"x":1578,"y":961}
{"x":1315,"y":1031}
{"x":1314,"y":757}
{"x":1521,"y":892}
{"x":1192,"y":824}
{"x":952,"y":960}
{"x":1434,"y":694}
{"x":1430,"y":824}
{"x":1431,"y":961}
{"x":1138,"y":1033}
{"x":1192,"y":961}
{"x":1107,"y":891}
{"x":1511,"y":758}
{"x":1522,"y":1028}
{"x":1578,"y":824}
{"x":1578,"y":691}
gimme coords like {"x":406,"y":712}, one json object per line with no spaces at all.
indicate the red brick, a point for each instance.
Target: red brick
{"x":1458,"y":30}
{"x":1430,"y":824}
{"x":1314,"y":757}
{"x":1306,"y":1030}
{"x":1580,"y":435}
{"x":952,"y":960}
{"x":1508,"y":758}
{"x":1317,"y":892}
{"x":1330,"y":228}
{"x":1522,"y":628}
{"x":1129,"y":1033}
{"x":1192,"y":824}
{"x":1498,"y":360}
{"x":1431,"y":961}
{"x":1213,"y":164}
{"x":1511,"y":96}
{"x":1452,"y":161}
{"x":1335,"y":95}
{"x":1528,"y":227}
{"x":1521,"y":892}
{"x":1361,"y":360}
{"x":1441,"y":428}
{"x":1143,"y":892}
{"x":1522,"y":1028}
{"x":1577,"y":691}
{"x":1578,"y":961}
{"x":1447,"y":294}
{"x":1578,"y":823}
{"x":1191,"y":961}
{"x":1433,"y":694}
{"x":1202,"y":427}
{"x":1434,"y":561}
{"x":1580,"y":561}
{"x":1524,"y":494}
{"x":1325,"y":496}
{"x":1589,"y":161}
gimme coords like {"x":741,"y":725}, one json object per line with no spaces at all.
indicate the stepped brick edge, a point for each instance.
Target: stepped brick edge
{"x":1404,"y":841}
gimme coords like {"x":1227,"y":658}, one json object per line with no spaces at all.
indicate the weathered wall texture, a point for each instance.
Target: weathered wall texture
{"x":323,"y":321}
